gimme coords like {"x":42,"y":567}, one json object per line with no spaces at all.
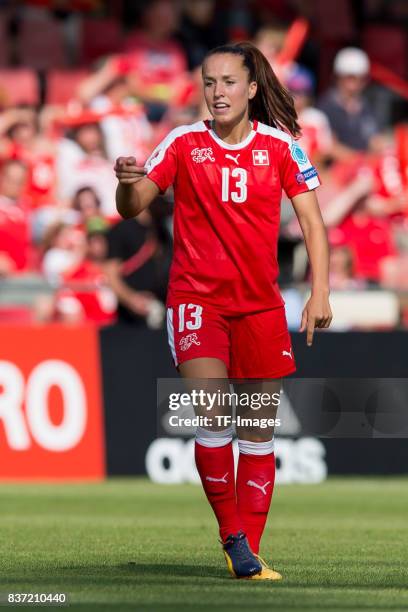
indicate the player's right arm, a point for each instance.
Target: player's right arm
{"x":140,"y":185}
{"x":135,"y":191}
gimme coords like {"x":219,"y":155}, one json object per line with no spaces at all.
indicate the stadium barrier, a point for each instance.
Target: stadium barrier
{"x":80,"y":403}
{"x":50,"y":403}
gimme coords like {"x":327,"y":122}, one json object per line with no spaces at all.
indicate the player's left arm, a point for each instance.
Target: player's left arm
{"x":317,"y":311}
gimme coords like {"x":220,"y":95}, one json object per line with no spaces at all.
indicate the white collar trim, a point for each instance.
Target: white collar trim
{"x":226,"y":145}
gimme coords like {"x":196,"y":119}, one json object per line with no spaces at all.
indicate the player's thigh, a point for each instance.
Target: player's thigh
{"x":208,"y":377}
{"x":199,"y":339}
{"x":203,"y":367}
{"x":261,"y":346}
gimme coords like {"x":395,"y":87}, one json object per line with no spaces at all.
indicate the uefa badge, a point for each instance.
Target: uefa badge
{"x":260,"y":157}
{"x":298,"y":154}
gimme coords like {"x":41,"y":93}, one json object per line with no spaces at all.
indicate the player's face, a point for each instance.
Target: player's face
{"x":227,"y":89}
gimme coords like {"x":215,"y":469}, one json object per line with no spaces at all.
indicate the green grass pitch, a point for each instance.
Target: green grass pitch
{"x":129,"y":544}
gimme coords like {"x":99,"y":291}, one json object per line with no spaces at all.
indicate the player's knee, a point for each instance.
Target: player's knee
{"x":256,"y":447}
{"x":212,"y":438}
{"x":254,"y":434}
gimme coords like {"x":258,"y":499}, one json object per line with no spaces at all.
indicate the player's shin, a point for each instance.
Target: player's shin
{"x":255,"y":483}
{"x":215,"y":465}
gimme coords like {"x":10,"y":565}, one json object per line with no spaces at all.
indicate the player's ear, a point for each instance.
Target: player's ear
{"x":253,"y":87}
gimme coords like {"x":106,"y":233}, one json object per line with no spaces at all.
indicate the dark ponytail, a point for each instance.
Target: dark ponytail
{"x":272,"y":104}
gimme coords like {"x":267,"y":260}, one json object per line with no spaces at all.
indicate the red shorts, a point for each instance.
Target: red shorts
{"x":251,"y":346}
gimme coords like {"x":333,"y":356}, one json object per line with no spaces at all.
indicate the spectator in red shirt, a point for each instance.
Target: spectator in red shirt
{"x":370,"y":240}
{"x":341,"y":272}
{"x":346,"y":212}
{"x":23,"y":139}
{"x":351,"y":222}
{"x":390,"y":193}
{"x":14,"y":227}
{"x":85,"y":295}
{"x":155,"y":59}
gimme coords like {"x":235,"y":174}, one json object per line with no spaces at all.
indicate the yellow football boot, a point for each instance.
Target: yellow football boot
{"x":266,"y":573}
{"x":241,"y":561}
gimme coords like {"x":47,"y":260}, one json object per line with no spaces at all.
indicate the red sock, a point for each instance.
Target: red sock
{"x":255,"y":481}
{"x":218,"y":464}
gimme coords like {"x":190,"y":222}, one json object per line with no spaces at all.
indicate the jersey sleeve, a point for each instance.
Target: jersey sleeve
{"x":162,"y":164}
{"x":296,"y":171}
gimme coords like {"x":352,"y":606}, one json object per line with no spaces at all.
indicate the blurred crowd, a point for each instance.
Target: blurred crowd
{"x":84,"y":82}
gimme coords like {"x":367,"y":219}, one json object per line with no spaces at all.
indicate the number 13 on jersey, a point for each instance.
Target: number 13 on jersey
{"x":235,"y":189}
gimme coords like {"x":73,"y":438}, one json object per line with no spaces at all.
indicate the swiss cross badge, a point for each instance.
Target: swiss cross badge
{"x":260,"y":158}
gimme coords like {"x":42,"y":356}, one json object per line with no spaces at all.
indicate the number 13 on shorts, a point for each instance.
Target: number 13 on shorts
{"x":183,"y":323}
{"x":191,"y":319}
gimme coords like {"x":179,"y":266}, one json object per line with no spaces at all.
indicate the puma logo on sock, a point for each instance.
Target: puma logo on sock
{"x":252,"y":483}
{"x":223,"y":479}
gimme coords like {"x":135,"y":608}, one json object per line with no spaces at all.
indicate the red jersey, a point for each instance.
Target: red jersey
{"x":14,"y":232}
{"x":227,"y":212}
{"x":42,"y":175}
{"x":369,"y":238}
{"x":155,"y":62}
{"x":85,"y":292}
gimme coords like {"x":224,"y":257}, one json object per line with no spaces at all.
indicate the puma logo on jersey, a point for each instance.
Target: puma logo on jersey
{"x":188,"y":340}
{"x":288,"y":353}
{"x":200,"y":155}
{"x":212,"y":479}
{"x":252,"y":483}
{"x":234,"y":159}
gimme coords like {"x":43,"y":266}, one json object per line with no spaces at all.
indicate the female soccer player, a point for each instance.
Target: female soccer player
{"x":225,"y":314}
